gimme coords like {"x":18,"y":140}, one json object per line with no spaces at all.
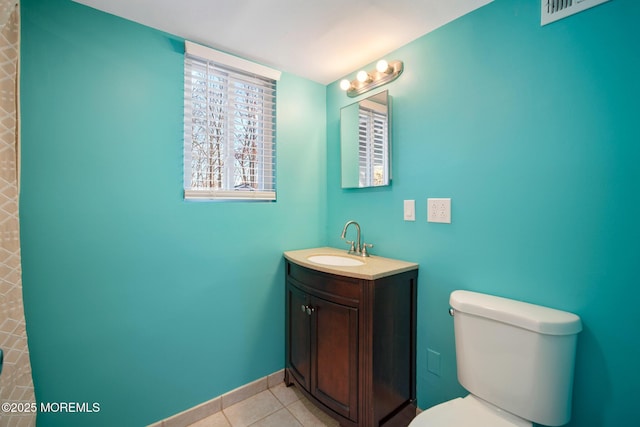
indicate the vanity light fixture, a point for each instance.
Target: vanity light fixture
{"x":363,"y":77}
{"x":384,"y":73}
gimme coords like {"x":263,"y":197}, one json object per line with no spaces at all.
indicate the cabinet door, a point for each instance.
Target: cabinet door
{"x":298,"y":330}
{"x":335,"y":356}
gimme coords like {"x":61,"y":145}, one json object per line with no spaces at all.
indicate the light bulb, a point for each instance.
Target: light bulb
{"x":362,"y":76}
{"x":382,"y":66}
{"x":345,"y":84}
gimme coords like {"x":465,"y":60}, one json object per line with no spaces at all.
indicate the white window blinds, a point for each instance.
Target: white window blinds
{"x":229,"y":127}
{"x":372,"y":153}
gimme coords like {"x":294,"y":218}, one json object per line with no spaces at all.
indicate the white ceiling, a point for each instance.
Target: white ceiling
{"x":322,"y":40}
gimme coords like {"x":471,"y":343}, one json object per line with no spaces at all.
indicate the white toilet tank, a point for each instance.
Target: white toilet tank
{"x":515,"y":355}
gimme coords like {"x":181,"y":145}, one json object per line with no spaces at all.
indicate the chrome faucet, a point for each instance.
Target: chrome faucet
{"x":356,"y":247}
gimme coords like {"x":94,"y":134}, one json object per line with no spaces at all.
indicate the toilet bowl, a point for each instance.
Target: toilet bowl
{"x":516,"y":360}
{"x":467,"y":412}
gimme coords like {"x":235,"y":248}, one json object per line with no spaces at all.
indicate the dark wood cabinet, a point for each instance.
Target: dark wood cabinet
{"x":350,"y":344}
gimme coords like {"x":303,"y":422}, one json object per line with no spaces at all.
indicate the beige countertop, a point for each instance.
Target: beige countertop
{"x":374,"y":267}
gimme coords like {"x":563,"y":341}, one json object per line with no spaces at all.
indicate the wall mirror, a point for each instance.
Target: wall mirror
{"x":364,"y":142}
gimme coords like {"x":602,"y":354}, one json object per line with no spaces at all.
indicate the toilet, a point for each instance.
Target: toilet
{"x":516,"y":360}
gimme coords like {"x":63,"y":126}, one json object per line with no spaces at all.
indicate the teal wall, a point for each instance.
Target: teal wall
{"x":134,"y":298}
{"x":149,"y":305}
{"x":533,"y":133}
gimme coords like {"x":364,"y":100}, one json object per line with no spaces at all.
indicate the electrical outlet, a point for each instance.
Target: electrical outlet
{"x":439,"y":210}
{"x":433,"y":362}
{"x":409,"y":210}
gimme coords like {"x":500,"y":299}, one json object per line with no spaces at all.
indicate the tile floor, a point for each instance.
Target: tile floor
{"x":278,"y":406}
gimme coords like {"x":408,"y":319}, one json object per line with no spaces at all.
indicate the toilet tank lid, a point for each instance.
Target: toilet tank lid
{"x":536,"y":318}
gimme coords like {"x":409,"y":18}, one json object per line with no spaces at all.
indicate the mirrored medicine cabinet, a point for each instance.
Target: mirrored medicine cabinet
{"x":365,"y":151}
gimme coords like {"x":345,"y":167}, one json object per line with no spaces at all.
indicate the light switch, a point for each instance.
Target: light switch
{"x":409,"y":210}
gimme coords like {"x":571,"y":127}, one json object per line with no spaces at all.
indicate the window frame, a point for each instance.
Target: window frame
{"x":251,"y":75}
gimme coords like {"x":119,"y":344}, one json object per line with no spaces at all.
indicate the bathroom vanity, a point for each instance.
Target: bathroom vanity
{"x":351,"y":335}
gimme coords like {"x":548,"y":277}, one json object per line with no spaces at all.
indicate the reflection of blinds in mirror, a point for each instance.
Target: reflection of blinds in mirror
{"x":372,"y":147}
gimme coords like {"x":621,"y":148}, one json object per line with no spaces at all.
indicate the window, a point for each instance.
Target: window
{"x":229,"y":127}
{"x":372,"y":153}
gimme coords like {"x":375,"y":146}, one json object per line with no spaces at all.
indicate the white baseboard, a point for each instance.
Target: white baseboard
{"x":221,"y":402}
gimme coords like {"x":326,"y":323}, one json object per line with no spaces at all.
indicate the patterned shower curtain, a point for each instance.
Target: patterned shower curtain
{"x":16,"y":386}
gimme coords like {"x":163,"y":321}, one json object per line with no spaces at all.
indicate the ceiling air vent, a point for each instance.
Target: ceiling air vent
{"x":552,"y":10}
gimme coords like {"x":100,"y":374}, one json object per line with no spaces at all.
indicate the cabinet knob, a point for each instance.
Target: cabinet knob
{"x":303,"y":308}
{"x":310,"y":310}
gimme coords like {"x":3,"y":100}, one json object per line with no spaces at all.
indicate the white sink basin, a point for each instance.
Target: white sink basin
{"x":335,"y":260}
